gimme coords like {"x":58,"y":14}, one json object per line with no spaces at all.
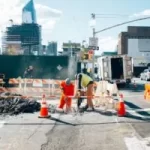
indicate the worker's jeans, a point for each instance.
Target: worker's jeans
{"x":90,"y":95}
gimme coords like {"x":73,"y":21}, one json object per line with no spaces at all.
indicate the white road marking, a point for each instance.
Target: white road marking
{"x":134,"y":144}
{"x":139,"y":110}
{"x":2,"y":123}
{"x":116,"y":119}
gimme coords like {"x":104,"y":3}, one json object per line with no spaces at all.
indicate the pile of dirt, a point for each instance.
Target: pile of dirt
{"x":14,"y":104}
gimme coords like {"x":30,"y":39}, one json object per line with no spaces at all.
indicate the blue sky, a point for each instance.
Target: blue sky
{"x":64,"y":20}
{"x":73,"y":24}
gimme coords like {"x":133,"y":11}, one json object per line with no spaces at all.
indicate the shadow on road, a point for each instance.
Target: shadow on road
{"x":76,"y":124}
{"x":131,"y":105}
{"x":130,"y":116}
{"x":144,"y":120}
{"x":105,"y":113}
{"x":61,"y":121}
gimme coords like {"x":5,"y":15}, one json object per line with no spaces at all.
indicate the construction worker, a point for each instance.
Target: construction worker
{"x":67,"y":88}
{"x":85,"y":81}
{"x":29,"y":72}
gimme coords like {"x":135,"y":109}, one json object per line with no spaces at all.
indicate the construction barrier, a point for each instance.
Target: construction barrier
{"x":51,"y":88}
{"x":147,"y":92}
{"x":104,"y":92}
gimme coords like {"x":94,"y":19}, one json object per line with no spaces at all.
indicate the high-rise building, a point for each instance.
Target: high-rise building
{"x":70,"y":48}
{"x":29,"y":13}
{"x":52,"y":49}
{"x":31,"y":38}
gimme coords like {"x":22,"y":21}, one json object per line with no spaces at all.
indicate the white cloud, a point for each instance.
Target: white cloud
{"x":107,"y":44}
{"x":46,"y":12}
{"x":144,"y":13}
{"x":46,"y":16}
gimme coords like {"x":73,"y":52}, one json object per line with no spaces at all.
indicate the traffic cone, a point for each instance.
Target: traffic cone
{"x":121,"y":107}
{"x":147,"y":95}
{"x":44,"y":109}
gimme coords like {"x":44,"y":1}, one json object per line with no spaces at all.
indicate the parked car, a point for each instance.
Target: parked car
{"x":145,"y":75}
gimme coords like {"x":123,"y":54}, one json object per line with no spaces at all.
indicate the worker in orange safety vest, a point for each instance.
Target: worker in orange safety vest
{"x":67,"y":88}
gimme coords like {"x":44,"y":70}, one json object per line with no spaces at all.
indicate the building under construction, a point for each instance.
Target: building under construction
{"x":22,"y":39}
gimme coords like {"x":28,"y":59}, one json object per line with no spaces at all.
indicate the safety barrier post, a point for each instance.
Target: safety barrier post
{"x":20,"y":83}
{"x":53,"y":87}
{"x":50,"y":86}
{"x":25,"y":86}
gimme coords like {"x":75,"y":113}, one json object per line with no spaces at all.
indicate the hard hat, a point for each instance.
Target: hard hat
{"x":67,"y":81}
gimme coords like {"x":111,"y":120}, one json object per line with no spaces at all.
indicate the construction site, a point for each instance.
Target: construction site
{"x":30,"y":108}
{"x":74,"y":96}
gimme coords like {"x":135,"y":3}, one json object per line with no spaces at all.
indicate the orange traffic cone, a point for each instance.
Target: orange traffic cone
{"x":121,"y":107}
{"x":44,"y":109}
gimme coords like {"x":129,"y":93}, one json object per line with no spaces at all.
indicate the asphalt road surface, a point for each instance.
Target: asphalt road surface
{"x":97,"y":130}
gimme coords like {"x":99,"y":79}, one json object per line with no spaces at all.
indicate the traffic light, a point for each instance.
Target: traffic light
{"x":85,"y":56}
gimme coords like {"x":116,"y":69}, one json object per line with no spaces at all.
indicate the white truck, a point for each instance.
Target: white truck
{"x":115,"y":68}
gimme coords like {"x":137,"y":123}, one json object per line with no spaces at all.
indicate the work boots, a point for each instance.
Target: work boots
{"x":86,"y":108}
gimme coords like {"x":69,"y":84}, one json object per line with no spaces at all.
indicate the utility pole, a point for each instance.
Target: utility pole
{"x":70,"y":43}
{"x":93,"y":61}
{"x":93,"y":17}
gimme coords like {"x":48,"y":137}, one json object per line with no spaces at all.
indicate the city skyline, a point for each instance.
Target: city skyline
{"x":69,"y":20}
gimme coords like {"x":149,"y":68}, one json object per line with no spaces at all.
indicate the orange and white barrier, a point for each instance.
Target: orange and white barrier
{"x":2,"y":90}
{"x":37,"y":83}
{"x":13,"y":81}
{"x":52,"y":87}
